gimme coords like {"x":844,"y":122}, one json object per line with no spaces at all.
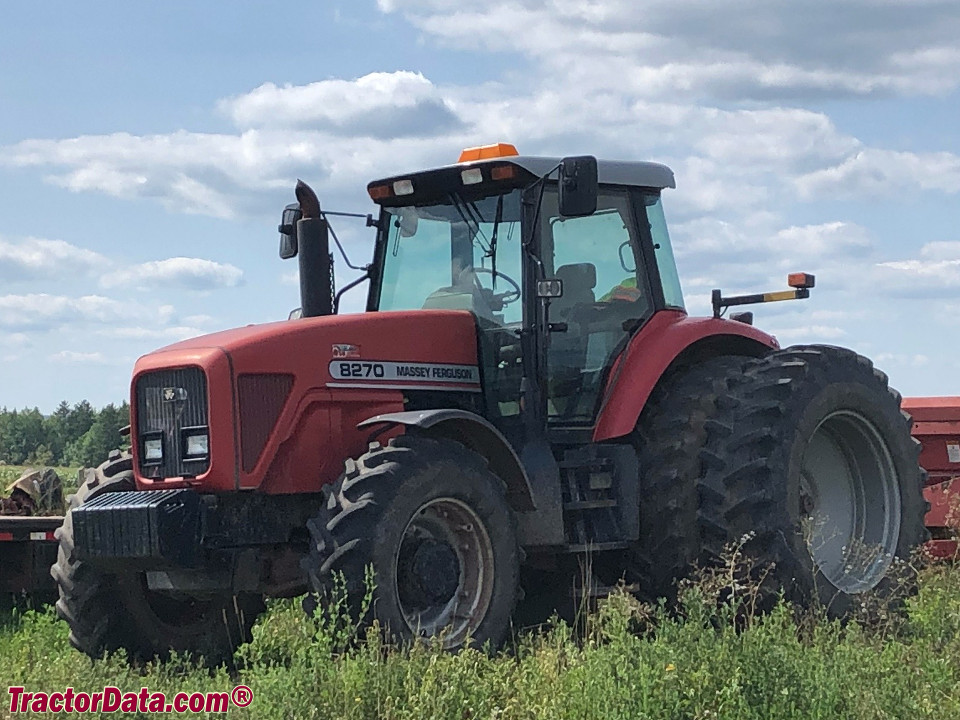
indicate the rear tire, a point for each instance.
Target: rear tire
{"x":814,"y":472}
{"x":108,"y":611}
{"x":434,"y":523}
{"x":670,"y":436}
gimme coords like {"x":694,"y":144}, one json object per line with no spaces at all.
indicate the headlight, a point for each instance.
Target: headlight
{"x":196,"y":443}
{"x":153,"y":449}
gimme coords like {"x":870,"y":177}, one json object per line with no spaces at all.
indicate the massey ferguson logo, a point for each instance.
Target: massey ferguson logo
{"x":341,"y":351}
{"x":173,"y":394}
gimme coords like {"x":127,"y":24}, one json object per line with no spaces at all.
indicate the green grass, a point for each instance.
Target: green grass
{"x":631,"y":661}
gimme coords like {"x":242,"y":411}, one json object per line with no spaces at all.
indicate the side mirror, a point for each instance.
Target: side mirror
{"x":578,"y":186}
{"x":288,"y":231}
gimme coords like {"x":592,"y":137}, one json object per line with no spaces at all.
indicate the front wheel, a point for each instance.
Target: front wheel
{"x":110,"y":611}
{"x":814,"y":472}
{"x":434,"y":523}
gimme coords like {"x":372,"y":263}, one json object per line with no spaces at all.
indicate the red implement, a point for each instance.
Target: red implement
{"x":936,"y":424}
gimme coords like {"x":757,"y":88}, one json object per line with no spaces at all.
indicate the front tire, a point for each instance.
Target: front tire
{"x":113,"y":611}
{"x":814,"y":473}
{"x":434,"y":523}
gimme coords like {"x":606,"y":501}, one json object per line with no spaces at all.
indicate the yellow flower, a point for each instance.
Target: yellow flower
{"x":671,"y":667}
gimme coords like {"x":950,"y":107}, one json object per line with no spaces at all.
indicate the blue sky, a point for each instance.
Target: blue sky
{"x":146,"y":151}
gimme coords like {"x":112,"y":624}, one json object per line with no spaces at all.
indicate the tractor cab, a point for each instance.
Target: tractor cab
{"x":557,"y":284}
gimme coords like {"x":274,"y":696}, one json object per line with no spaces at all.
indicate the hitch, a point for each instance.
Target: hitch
{"x":801,"y":282}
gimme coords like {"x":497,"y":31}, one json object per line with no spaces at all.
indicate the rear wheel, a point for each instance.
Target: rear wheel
{"x":670,"y":436}
{"x":111,"y":611}
{"x":814,"y":471}
{"x":433,"y":522}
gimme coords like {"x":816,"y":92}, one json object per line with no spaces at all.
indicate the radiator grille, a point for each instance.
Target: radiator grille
{"x":262,"y":397}
{"x":158,"y":413}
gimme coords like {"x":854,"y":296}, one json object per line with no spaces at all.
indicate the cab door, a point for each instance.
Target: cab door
{"x":602,"y":260}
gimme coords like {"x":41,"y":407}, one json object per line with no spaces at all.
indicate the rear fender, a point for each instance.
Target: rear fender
{"x":669,"y":342}
{"x":477,"y":434}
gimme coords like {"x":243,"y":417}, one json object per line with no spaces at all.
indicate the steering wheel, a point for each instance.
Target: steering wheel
{"x":504,"y":298}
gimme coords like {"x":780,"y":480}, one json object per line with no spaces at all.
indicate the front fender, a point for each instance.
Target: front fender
{"x":476,"y":433}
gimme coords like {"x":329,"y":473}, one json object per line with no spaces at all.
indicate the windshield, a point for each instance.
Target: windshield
{"x":458,"y":254}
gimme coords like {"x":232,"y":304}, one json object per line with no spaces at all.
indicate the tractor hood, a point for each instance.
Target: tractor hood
{"x":245,"y":393}
{"x":311,"y":345}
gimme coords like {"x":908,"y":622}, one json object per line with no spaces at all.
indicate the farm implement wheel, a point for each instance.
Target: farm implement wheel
{"x":433,"y":522}
{"x":814,"y":471}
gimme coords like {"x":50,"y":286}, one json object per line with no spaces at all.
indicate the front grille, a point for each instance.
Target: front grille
{"x":167,"y":402}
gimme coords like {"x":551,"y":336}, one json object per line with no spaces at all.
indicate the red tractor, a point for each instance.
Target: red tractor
{"x":524,"y":391}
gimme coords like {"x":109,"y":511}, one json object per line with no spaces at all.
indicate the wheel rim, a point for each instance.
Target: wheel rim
{"x":177,"y":611}
{"x":850,"y":500}
{"x":444,"y":571}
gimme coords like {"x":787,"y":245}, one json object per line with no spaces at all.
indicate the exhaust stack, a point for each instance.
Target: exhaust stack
{"x":306,"y":234}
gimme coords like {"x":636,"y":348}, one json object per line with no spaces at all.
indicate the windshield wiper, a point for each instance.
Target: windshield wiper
{"x":498,"y":216}
{"x":463,"y":210}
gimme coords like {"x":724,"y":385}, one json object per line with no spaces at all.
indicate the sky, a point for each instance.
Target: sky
{"x":147,"y":151}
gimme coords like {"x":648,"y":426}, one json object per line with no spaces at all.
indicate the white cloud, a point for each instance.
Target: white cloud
{"x":179,"y":332}
{"x":745,"y":258}
{"x":809,"y":333}
{"x":221,"y":175}
{"x":941,"y":250}
{"x":600,"y":76}
{"x":32,"y":258}
{"x":934,"y":275}
{"x":872,"y":171}
{"x":72,"y":356}
{"x":915,"y":360}
{"x":743,"y":48}
{"x":199,"y":320}
{"x":41,"y":311}
{"x":921,"y":278}
{"x":839,"y":239}
{"x":382,"y":105}
{"x":750,"y":155}
{"x":782,"y":137}
{"x":188,"y":172}
{"x":177,"y":272}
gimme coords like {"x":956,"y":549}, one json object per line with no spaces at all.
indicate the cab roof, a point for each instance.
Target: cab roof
{"x":609,"y":172}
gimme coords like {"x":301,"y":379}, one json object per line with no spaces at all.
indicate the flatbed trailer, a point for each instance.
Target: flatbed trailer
{"x":27,"y":550}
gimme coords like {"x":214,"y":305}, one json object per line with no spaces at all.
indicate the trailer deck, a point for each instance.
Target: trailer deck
{"x":27,"y":550}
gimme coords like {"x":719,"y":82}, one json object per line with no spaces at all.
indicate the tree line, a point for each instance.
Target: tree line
{"x":77,"y":435}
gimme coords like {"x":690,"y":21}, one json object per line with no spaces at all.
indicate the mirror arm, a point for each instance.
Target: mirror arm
{"x":350,"y":286}
{"x":541,"y":181}
{"x":343,"y":253}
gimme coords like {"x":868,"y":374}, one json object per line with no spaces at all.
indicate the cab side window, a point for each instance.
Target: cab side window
{"x":604,"y":289}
